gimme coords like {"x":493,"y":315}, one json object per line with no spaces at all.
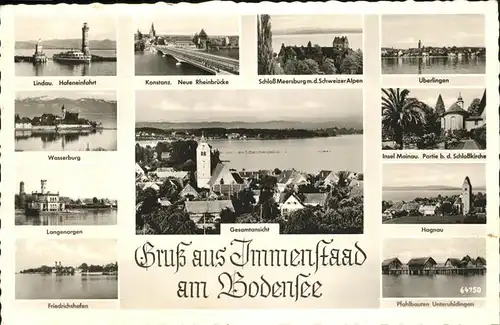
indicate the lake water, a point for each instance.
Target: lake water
{"x":154,"y":64}
{"x":438,"y":65}
{"x":442,"y":286}
{"x":37,"y":286}
{"x":308,"y":155}
{"x":355,"y":40}
{"x":52,"y":68}
{"x":76,"y":218}
{"x":411,"y":195}
{"x":71,"y":141}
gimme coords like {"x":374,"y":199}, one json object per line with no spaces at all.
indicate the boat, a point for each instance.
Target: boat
{"x":72,"y":56}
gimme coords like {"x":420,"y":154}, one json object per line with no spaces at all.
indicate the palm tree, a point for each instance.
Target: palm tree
{"x":400,"y":113}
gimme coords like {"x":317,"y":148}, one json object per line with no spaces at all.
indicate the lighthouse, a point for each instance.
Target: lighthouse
{"x":85,"y":39}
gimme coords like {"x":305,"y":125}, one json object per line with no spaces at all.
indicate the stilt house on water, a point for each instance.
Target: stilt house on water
{"x":391,"y":264}
{"x":428,"y":266}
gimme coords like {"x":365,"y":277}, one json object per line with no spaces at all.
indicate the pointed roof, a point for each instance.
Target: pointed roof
{"x":189,"y":190}
{"x":467,"y":181}
{"x":390,"y":260}
{"x":421,"y":261}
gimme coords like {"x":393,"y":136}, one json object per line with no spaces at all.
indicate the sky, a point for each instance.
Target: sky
{"x":282,"y":22}
{"x":190,"y":24}
{"x":89,"y":182}
{"x":247,"y":105}
{"x":104,"y":95}
{"x":404,"y":31}
{"x":30,"y":28}
{"x":450,"y":174}
{"x":32,"y":253}
{"x":450,"y":95}
{"x":440,"y":249}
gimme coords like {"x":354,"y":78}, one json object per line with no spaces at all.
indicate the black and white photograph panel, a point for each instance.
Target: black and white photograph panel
{"x":436,"y":193}
{"x":48,"y":197}
{"x":66,"y":269}
{"x":66,"y":121}
{"x":433,"y":119}
{"x":65,"y":46}
{"x":434,"y":268}
{"x":266,"y":156}
{"x":187,"y":45}
{"x":433,"y":44}
{"x":310,"y":44}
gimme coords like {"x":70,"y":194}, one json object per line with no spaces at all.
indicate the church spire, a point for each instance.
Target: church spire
{"x":202,"y":139}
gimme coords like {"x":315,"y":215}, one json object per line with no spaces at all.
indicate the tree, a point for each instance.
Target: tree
{"x":171,"y":221}
{"x":400,"y":113}
{"x":352,"y":63}
{"x":265,"y":46}
{"x":227,"y":216}
{"x":84,"y":267}
{"x":95,"y":200}
{"x":440,"y":109}
{"x":475,"y":107}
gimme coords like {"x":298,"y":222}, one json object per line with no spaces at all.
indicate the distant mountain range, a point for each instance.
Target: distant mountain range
{"x":36,"y":106}
{"x":310,"y":31}
{"x":105,"y":44}
{"x":427,"y":188}
{"x":346,"y":123}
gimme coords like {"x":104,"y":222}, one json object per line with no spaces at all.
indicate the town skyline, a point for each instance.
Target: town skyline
{"x":404,"y":31}
{"x":440,"y":249}
{"x":73,"y":95}
{"x":32,"y":253}
{"x":28,"y":28}
{"x":429,"y":174}
{"x":90,"y":184}
{"x":429,"y":95}
{"x":284,"y":24}
{"x":183,"y":24}
{"x":249,"y":106}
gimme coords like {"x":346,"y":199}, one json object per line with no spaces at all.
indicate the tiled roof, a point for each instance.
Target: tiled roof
{"x":211,"y":207}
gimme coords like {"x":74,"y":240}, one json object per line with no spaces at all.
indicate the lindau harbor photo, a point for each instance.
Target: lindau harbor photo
{"x":66,"y":269}
{"x":310,"y":44}
{"x":433,"y":44}
{"x":434,"y":193}
{"x":266,"y":156}
{"x":64,"y":46}
{"x":434,"y":268}
{"x":433,"y":119}
{"x":187,"y":45}
{"x":47,"y":195}
{"x":66,"y":121}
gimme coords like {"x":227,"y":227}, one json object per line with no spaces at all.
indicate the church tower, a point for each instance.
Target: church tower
{"x":460,"y":101}
{"x":203,"y":158}
{"x":466,"y":195}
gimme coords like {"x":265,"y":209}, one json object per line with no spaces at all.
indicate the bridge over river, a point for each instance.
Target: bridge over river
{"x":218,"y":65}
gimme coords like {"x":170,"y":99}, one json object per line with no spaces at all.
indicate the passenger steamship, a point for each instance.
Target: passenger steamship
{"x":72,"y":56}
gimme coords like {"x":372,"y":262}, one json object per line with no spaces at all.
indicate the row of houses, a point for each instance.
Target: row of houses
{"x":421,"y":264}
{"x":225,"y":182}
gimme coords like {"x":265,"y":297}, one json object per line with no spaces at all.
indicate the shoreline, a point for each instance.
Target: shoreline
{"x":249,"y":139}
